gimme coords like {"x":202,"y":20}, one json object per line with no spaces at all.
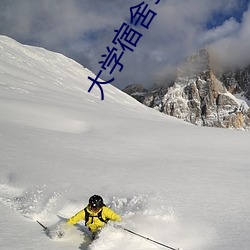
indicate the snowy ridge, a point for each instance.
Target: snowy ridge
{"x":182,"y":185}
{"x":35,"y":68}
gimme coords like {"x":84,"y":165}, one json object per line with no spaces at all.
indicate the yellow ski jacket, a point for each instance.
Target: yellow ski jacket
{"x":94,"y":223}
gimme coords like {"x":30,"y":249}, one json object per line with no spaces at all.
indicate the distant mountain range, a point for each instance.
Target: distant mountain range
{"x":202,"y":94}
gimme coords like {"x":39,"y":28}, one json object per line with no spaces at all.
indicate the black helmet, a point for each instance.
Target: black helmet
{"x":96,"y":202}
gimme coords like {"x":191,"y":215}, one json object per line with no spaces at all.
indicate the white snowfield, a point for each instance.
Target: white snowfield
{"x":184,"y":186}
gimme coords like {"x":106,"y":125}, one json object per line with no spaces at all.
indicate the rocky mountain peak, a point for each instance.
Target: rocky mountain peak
{"x":196,"y":64}
{"x":202,"y":97}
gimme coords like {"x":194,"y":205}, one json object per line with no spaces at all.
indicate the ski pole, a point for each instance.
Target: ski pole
{"x":146,"y":238}
{"x":45,"y":228}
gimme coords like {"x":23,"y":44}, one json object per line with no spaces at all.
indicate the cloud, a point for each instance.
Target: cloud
{"x":82,"y":29}
{"x":233,"y":49}
{"x":228,"y":28}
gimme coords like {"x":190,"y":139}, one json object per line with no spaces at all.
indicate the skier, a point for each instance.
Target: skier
{"x":95,"y":214}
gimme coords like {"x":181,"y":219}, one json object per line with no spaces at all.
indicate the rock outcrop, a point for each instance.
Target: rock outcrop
{"x":201,"y":97}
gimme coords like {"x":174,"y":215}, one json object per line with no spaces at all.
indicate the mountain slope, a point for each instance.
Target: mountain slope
{"x":182,"y":185}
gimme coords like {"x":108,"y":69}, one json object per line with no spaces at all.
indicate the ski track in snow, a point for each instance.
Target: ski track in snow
{"x":145,"y":214}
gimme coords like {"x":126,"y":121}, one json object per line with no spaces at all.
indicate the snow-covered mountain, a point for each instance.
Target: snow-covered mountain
{"x":201,"y":95}
{"x":237,"y":81}
{"x":182,"y":185}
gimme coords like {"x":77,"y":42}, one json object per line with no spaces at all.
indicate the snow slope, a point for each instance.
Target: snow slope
{"x":179,"y":184}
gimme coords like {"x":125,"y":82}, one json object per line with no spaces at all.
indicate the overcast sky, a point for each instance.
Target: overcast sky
{"x":82,"y":29}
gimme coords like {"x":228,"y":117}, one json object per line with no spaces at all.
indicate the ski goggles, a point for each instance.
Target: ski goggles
{"x":94,"y":208}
